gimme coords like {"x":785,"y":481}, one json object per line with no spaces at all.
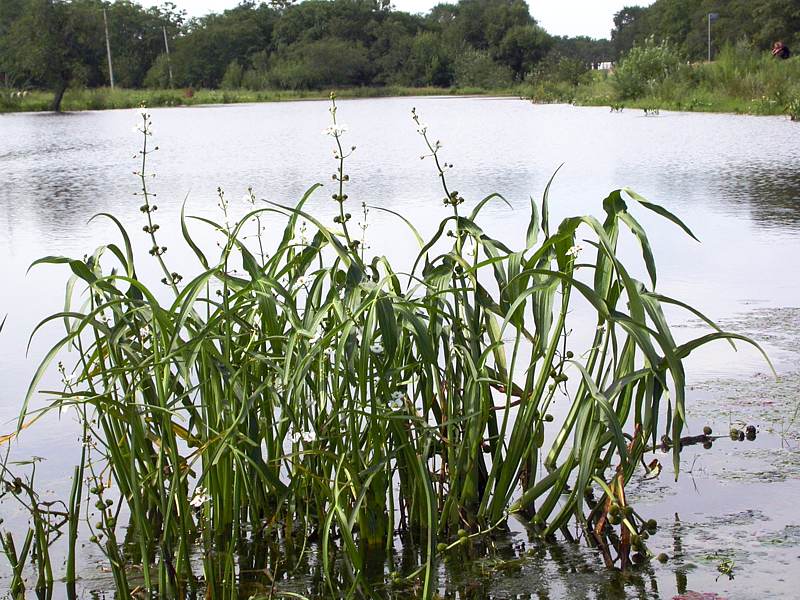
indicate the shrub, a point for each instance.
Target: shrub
{"x":476,"y":68}
{"x":322,"y":63}
{"x":232,"y":79}
{"x":645,"y":67}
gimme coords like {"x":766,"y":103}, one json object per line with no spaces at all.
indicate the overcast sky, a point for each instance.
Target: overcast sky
{"x":559,"y":17}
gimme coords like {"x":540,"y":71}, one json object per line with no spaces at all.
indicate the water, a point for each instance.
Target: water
{"x":734,"y":180}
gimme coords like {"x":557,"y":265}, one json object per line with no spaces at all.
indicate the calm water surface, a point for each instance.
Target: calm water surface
{"x":734,"y":180}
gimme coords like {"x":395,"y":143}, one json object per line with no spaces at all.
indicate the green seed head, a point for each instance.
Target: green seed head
{"x":441,"y":547}
{"x":548,"y":418}
{"x":707,"y":430}
{"x":662,"y":558}
{"x":462,"y":533}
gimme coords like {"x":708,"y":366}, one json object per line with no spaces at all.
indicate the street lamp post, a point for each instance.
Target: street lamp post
{"x":711,"y":17}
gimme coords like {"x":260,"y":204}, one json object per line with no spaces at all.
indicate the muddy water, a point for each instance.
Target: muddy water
{"x":735,"y":181}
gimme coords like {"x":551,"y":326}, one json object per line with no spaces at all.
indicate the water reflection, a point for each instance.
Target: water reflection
{"x":59,"y":171}
{"x":770,"y":195}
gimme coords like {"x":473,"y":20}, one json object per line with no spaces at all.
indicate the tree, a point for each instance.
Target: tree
{"x":629,"y":27}
{"x":521,"y":47}
{"x":55,"y":44}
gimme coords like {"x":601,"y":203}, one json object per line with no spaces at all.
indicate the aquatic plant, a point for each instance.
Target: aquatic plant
{"x":793,"y":109}
{"x":300,"y":386}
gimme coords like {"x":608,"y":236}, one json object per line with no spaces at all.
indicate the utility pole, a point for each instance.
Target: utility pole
{"x":108,"y":50}
{"x":166,"y":46}
{"x":711,"y":17}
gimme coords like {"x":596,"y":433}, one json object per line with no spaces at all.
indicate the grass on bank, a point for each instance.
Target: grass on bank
{"x":106,"y":98}
{"x":739,"y":80}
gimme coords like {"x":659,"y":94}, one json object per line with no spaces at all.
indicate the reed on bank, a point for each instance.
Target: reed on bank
{"x":740,"y":80}
{"x":305,"y":390}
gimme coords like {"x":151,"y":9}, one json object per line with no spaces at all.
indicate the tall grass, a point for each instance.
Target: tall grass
{"x":740,"y":80}
{"x":305,"y":388}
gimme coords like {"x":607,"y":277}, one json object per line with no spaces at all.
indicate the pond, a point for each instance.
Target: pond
{"x":729,"y":525}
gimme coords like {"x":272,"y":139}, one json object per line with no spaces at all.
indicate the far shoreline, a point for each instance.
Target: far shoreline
{"x":93,"y":99}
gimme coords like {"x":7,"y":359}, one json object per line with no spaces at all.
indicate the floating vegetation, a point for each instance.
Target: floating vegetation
{"x":302,"y":388}
{"x":617,"y":107}
{"x":651,"y":111}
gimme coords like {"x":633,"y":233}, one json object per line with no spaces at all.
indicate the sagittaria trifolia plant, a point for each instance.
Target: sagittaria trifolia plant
{"x":302,"y":385}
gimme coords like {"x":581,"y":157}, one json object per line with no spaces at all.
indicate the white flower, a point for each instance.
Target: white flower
{"x":306,"y":436}
{"x":335,"y":130}
{"x":575,"y":250}
{"x":330,"y":352}
{"x":302,"y":281}
{"x":395,"y":404}
{"x":377,"y":348}
{"x":200,"y":497}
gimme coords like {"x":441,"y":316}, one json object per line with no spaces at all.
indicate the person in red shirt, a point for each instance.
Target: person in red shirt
{"x":780,"y":50}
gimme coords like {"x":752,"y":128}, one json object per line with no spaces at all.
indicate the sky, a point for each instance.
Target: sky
{"x":559,"y":17}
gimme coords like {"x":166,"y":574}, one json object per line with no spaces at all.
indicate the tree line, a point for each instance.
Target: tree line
{"x":316,"y":44}
{"x":684,"y":24}
{"x":279,"y":45}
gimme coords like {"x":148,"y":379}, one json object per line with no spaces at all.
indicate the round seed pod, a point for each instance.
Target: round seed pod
{"x":441,"y":546}
{"x":548,"y":418}
{"x":662,"y":558}
{"x":570,"y":354}
{"x":750,"y":432}
{"x":614,"y":510}
{"x":735,"y":434}
{"x":707,"y":430}
{"x":638,"y":558}
{"x":741,"y":436}
{"x":707,"y":445}
{"x":628,"y":511}
{"x":614,"y":519}
{"x":462,"y":533}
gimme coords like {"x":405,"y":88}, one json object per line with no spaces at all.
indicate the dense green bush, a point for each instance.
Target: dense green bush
{"x":232,"y":79}
{"x":158,"y":75}
{"x":645,"y":67}
{"x":321,"y":63}
{"x":474,"y":68}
